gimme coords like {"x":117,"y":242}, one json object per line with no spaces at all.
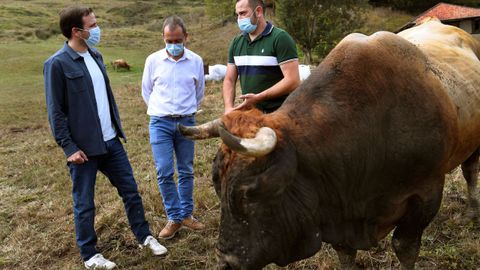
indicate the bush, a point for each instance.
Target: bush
{"x":43,"y":33}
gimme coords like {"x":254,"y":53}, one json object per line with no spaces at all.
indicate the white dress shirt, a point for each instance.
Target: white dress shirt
{"x":173,"y":87}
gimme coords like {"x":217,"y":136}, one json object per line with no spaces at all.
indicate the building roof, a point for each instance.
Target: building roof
{"x":446,"y":12}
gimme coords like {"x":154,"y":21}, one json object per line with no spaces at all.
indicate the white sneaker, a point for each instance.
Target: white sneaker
{"x":99,"y":262}
{"x":154,"y":246}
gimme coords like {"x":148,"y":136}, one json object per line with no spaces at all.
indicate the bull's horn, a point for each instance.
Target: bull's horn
{"x":263,"y":143}
{"x":204,"y":131}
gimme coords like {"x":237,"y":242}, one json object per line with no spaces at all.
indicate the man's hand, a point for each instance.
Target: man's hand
{"x":249,"y":100}
{"x":78,"y":157}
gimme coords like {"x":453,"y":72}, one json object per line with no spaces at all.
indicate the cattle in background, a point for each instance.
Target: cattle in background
{"x":120,"y":63}
{"x":361,"y":148}
{"x":216,"y":72}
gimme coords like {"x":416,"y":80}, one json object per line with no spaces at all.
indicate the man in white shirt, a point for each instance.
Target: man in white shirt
{"x":172,"y":87}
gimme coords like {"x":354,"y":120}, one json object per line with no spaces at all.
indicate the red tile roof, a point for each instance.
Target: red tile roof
{"x":445,"y":11}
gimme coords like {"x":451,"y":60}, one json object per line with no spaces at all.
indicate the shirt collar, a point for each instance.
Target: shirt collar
{"x":73,"y":54}
{"x":186,"y":54}
{"x":268,"y":29}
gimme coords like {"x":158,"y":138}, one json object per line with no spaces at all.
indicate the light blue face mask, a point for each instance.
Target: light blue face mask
{"x":174,"y":49}
{"x":94,"y":37}
{"x":246,"y":25}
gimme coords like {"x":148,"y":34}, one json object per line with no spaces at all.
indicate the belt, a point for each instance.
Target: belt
{"x":179,"y":115}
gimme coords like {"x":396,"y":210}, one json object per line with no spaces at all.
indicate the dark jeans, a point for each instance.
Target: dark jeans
{"x":116,"y":167}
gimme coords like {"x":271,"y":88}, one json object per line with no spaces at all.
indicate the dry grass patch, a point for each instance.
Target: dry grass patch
{"x":37,"y":220}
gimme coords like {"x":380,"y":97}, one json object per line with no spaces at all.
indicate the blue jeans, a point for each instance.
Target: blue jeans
{"x":165,"y":140}
{"x":116,"y":167}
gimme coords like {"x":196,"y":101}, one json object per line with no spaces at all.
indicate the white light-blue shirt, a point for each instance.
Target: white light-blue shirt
{"x":101,"y":97}
{"x":173,"y":87}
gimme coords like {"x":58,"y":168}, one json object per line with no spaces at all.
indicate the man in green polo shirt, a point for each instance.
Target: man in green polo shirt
{"x":265,"y":57}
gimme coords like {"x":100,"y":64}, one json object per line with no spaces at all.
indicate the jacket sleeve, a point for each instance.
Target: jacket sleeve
{"x":55,"y":94}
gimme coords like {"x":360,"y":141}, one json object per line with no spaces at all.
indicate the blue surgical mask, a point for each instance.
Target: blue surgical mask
{"x":174,"y":49}
{"x":246,"y":25}
{"x":94,"y":37}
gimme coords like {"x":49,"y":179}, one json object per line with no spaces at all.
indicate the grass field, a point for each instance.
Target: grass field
{"x":36,"y":218}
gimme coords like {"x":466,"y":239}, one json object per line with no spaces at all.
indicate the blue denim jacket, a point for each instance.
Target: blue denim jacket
{"x":71,"y":104}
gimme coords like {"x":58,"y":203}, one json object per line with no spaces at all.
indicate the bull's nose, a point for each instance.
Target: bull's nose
{"x":226,"y":262}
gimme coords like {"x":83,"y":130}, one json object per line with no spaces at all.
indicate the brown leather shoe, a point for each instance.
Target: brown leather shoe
{"x":169,"y":230}
{"x":193,"y":224}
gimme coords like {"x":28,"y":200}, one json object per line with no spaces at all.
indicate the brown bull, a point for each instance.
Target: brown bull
{"x":361,"y":148}
{"x":120,"y":63}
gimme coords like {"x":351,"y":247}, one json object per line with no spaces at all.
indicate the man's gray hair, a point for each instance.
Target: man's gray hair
{"x":172,"y":22}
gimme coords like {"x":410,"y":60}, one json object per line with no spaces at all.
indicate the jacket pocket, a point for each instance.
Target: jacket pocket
{"x":76,"y":81}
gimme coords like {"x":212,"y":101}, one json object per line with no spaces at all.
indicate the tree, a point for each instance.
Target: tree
{"x":319,"y":24}
{"x":220,"y":10}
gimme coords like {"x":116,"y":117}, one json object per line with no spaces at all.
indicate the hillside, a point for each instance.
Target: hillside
{"x":132,"y":25}
{"x":137,"y":24}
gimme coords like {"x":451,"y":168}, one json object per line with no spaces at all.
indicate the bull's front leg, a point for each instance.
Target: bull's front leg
{"x":346,"y":256}
{"x":407,"y":236}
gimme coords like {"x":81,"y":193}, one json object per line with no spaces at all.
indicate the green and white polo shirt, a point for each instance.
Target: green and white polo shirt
{"x":258,"y":61}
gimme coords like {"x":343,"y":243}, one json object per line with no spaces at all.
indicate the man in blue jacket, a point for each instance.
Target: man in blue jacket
{"x":85,"y":122}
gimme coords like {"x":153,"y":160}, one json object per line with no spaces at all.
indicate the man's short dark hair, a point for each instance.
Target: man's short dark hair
{"x":73,"y":17}
{"x":172,"y":22}
{"x":255,"y":3}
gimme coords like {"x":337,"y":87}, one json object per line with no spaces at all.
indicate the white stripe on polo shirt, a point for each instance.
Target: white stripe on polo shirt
{"x":255,"y":60}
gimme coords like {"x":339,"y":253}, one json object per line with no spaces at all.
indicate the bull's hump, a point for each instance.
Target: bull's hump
{"x":390,"y":44}
{"x":358,"y":37}
{"x":355,"y":37}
